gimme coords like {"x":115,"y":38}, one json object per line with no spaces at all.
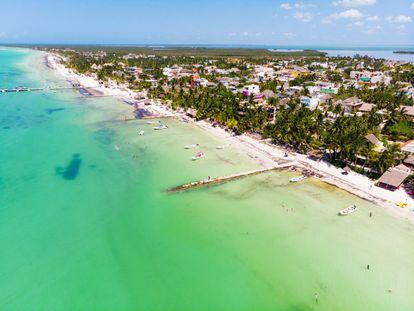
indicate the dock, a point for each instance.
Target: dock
{"x":223,"y":179}
{"x":23,"y":89}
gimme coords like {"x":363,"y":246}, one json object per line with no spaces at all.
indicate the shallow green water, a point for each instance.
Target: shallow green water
{"x":84,"y":226}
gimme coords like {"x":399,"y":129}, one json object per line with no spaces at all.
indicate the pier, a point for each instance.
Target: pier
{"x":223,"y":179}
{"x":23,"y":89}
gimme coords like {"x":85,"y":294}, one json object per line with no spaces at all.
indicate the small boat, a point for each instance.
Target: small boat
{"x":220,"y":147}
{"x":199,"y":155}
{"x":190,"y":146}
{"x":402,"y":205}
{"x":151,"y":122}
{"x":141,"y":133}
{"x":297,"y":179}
{"x":348,"y":211}
{"x":160,"y":127}
{"x":117,"y":148}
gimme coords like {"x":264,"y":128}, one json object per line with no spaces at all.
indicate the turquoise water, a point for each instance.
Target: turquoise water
{"x":86,"y":223}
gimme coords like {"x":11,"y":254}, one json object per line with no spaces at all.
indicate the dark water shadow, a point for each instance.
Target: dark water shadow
{"x":71,"y":171}
{"x":53,"y":110}
{"x":105,"y":136}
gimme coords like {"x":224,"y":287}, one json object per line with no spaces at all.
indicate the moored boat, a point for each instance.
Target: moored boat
{"x":348,"y":211}
{"x":220,"y":147}
{"x":160,"y":127}
{"x":141,"y":133}
{"x":199,"y":155}
{"x":297,"y":179}
{"x":190,"y":146}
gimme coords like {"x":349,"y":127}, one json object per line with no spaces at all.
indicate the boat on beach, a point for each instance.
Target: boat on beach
{"x":297,"y":179}
{"x":190,"y":146}
{"x":220,"y":147}
{"x":199,"y":155}
{"x":348,"y":211}
{"x":141,"y":133}
{"x":160,"y":127}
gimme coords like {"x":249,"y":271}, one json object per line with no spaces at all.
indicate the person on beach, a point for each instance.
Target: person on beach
{"x":316,"y":297}
{"x":368,"y":267}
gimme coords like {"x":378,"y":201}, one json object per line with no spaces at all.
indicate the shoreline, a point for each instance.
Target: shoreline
{"x":266,"y":155}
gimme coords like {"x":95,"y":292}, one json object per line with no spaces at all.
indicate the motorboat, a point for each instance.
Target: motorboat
{"x":297,"y":179}
{"x":160,"y":127}
{"x":199,"y":155}
{"x":348,"y":211}
{"x":190,"y":146}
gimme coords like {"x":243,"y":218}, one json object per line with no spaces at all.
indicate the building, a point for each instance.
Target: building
{"x":366,"y":107}
{"x":408,"y":111}
{"x":350,"y":104}
{"x":394,"y":177}
{"x":410,"y":162}
{"x":251,"y":89}
{"x":378,"y":145}
{"x":309,"y":102}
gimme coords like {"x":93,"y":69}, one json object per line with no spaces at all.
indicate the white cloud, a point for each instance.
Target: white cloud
{"x":358,"y":24}
{"x":374,"y":18}
{"x":304,"y":17}
{"x":289,"y":34}
{"x":354,"y":3}
{"x":371,"y":30}
{"x":297,"y":6}
{"x":286,"y":6}
{"x":3,"y":34}
{"x":412,"y":5}
{"x":400,"y":19}
{"x":348,"y":14}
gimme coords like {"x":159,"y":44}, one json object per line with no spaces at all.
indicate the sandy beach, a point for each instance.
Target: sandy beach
{"x":264,"y":153}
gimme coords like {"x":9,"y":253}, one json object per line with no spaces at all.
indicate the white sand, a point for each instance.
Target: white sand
{"x":267,"y":155}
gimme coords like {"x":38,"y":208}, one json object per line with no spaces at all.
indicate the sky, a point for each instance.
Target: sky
{"x":253,"y":22}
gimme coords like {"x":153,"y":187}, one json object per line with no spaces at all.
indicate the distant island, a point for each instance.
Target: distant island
{"x":403,"y":52}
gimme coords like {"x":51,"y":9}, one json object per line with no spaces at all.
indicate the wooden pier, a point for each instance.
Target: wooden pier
{"x":223,"y":179}
{"x":23,"y":89}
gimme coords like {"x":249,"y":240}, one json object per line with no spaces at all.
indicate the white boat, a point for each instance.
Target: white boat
{"x":220,"y":147}
{"x":117,"y":148}
{"x":190,"y":146}
{"x":141,"y":133}
{"x":160,"y":127}
{"x":199,"y":155}
{"x":298,"y":179}
{"x":348,"y":211}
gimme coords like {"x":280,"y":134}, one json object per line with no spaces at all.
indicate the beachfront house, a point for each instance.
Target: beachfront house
{"x":394,"y":177}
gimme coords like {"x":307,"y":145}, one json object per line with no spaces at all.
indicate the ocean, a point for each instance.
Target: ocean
{"x":86,"y":222}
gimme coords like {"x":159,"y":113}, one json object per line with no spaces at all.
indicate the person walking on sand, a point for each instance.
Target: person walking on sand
{"x":316,"y":297}
{"x":368,"y":267}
